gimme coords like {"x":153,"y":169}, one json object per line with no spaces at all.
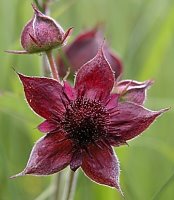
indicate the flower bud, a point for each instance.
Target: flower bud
{"x":42,"y":33}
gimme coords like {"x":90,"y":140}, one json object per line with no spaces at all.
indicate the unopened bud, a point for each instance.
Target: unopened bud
{"x":42,"y":33}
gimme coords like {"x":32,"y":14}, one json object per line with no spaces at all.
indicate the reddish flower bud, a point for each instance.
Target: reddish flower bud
{"x":41,"y":33}
{"x":84,"y":48}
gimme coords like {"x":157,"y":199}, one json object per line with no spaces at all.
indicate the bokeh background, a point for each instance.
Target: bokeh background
{"x":142,"y":33}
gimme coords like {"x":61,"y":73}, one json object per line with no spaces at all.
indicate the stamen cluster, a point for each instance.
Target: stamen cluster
{"x":85,"y":121}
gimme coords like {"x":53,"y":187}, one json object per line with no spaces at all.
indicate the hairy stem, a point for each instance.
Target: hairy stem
{"x":45,"y":67}
{"x":53,"y":66}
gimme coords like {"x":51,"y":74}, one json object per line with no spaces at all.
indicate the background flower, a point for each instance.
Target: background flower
{"x":84,"y":48}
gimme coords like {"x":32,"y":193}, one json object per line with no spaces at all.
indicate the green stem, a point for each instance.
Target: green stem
{"x":38,"y":5}
{"x":69,"y":193}
{"x":46,"y":194}
{"x":53,"y":66}
{"x":164,"y":186}
{"x":57,"y":183}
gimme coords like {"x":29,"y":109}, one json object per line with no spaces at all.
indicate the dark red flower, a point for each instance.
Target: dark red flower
{"x":84,"y":48}
{"x":82,"y":123}
{"x":41,"y":33}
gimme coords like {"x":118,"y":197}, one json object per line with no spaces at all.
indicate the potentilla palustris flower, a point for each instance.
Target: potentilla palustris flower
{"x":82,"y":123}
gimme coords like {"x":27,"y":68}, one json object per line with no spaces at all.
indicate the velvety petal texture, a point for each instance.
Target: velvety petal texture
{"x":129,"y":120}
{"x":50,"y":154}
{"x":44,"y":95}
{"x":95,"y":79}
{"x":102,"y":166}
{"x":84,"y":48}
{"x":69,"y":91}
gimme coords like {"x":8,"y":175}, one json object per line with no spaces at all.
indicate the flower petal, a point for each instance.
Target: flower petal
{"x":69,"y":91}
{"x":47,"y":126}
{"x":95,"y":78}
{"x":17,"y":51}
{"x":114,"y":61}
{"x":45,"y":96}
{"x":102,"y":166}
{"x":50,"y":154}
{"x":112,"y":101}
{"x":66,"y":35}
{"x":130,"y":120}
{"x":133,"y":91}
{"x":76,"y":160}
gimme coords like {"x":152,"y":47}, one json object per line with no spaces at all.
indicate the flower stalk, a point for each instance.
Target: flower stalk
{"x":70,"y":190}
{"x":57,"y":182}
{"x":52,"y":64}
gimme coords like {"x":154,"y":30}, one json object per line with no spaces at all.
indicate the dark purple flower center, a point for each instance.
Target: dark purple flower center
{"x":85,"y":121}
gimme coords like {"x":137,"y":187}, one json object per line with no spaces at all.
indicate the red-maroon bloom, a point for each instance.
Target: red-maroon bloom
{"x":41,"y":33}
{"x":84,"y":48}
{"x":82,"y":123}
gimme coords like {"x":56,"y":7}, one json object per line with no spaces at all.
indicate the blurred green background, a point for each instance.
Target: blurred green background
{"x":142,"y":32}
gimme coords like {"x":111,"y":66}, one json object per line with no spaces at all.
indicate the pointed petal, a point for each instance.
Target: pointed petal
{"x":102,"y":166}
{"x":17,"y":52}
{"x":50,"y":154}
{"x":130,"y":120}
{"x":80,"y":51}
{"x":95,"y":78}
{"x":44,"y":95}
{"x":76,"y":161}
{"x":66,"y":35}
{"x":115,"y":62}
{"x":69,"y":91}
{"x":47,"y":126}
{"x":133,"y":91}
